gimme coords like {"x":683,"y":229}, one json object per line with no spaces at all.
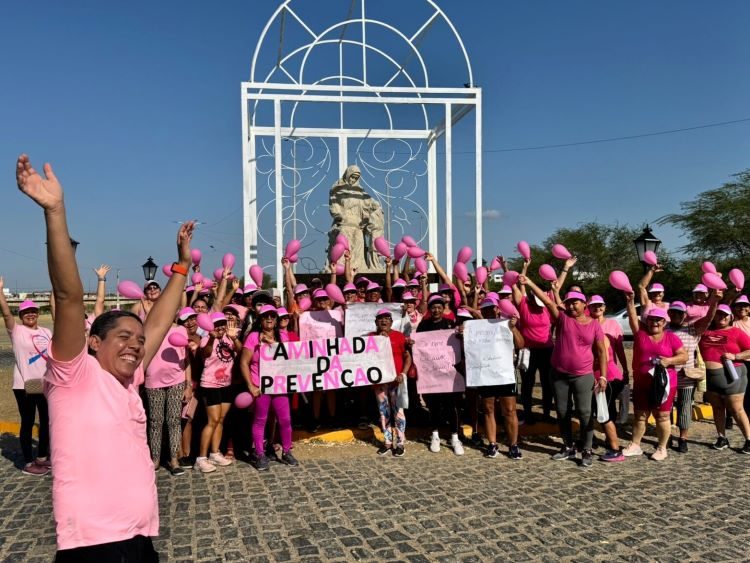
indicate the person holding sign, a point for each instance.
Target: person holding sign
{"x":505,"y":394}
{"x":580,"y":344}
{"x":266,"y":331}
{"x":437,"y":402}
{"x":105,"y":505}
{"x":392,"y":417}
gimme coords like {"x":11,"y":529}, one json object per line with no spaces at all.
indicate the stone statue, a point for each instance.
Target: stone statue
{"x":358,"y":217}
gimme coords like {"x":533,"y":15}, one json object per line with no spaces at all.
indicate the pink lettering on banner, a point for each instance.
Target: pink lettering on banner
{"x":279,"y":385}
{"x":345,"y":346}
{"x":303,"y":382}
{"x":372,"y":345}
{"x":320,"y":348}
{"x":266,"y":353}
{"x":295,"y":349}
{"x":331,"y":380}
{"x":335,"y":364}
{"x":361,"y":378}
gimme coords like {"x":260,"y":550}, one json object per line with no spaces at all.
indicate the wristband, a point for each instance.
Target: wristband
{"x":564,"y":270}
{"x":102,"y":279}
{"x":178,"y":269}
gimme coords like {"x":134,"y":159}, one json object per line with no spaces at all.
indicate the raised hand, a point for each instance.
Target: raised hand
{"x":570,"y":262}
{"x":2,"y":284}
{"x":285,"y":262}
{"x":184,"y":236}
{"x":102,"y":270}
{"x":46,"y":192}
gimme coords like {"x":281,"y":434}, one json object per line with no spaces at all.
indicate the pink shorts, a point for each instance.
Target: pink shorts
{"x":642,"y":393}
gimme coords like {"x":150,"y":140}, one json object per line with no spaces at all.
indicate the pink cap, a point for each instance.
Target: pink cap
{"x":657,"y":312}
{"x":349,"y":287}
{"x":320,"y":294}
{"x":463,"y":314}
{"x":656,"y":288}
{"x":741,"y":300}
{"x":436,"y":299}
{"x":268,"y":309}
{"x":575,"y":295}
{"x":300,"y":288}
{"x":361,"y":280}
{"x":700,"y":288}
{"x":724,"y":309}
{"x":444,"y":287}
{"x":189,"y":288}
{"x":249,"y":288}
{"x":505,"y":289}
{"x":413,"y":283}
{"x":408,"y":297}
{"x":239,"y":291}
{"x":218,"y":317}
{"x":27,"y":304}
{"x":373,"y":286}
{"x":487,"y":303}
{"x":493,"y":296}
{"x":382,"y":313}
{"x":677,"y":306}
{"x":399,"y":283}
{"x":238,"y":309}
{"x":596,"y":300}
{"x":186,"y":313}
{"x":282,"y":312}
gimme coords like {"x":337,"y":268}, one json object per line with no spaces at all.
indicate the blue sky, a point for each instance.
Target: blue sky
{"x":137,"y":106}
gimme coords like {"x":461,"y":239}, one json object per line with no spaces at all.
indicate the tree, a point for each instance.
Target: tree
{"x":715,"y":222}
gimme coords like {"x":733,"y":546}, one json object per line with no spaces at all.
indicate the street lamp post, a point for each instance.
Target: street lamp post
{"x":646,"y":241}
{"x":149,"y":269}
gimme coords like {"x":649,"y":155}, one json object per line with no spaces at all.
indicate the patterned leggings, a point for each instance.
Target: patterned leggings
{"x":390,"y":416}
{"x":158,"y":399}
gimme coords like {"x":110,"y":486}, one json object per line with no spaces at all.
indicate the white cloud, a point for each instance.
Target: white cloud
{"x":487,"y":214}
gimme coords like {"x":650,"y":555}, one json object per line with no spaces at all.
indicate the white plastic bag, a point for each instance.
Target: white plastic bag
{"x":624,"y":404}
{"x":524,"y":355}
{"x":402,"y":395}
{"x":602,"y":412}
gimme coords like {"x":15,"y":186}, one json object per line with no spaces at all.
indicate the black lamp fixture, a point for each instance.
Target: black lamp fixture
{"x":149,"y":269}
{"x":646,"y":241}
{"x":74,"y":243}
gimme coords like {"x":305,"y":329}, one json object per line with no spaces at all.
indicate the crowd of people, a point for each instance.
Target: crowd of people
{"x":121,"y":378}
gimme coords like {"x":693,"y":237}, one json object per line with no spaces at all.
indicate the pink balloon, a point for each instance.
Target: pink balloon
{"x":228,"y":260}
{"x":708,"y":268}
{"x":218,"y":274}
{"x":464,"y":255}
{"x":243,"y":400}
{"x":197,"y":277}
{"x":510,"y":277}
{"x":256,"y":272}
{"x":382,"y":246}
{"x":340,"y":269}
{"x":559,"y":251}
{"x":178,"y":339}
{"x":399,"y":250}
{"x":205,"y":322}
{"x":649,"y":257}
{"x":524,"y":250}
{"x":415,"y":252}
{"x":292,"y":248}
{"x":619,"y":280}
{"x":481,"y":275}
{"x":130,"y":289}
{"x":713,"y":281}
{"x":420,"y":264}
{"x":196,"y":256}
{"x":737,"y":278}
{"x":294,"y":258}
{"x":495,"y":264}
{"x":342,"y":240}
{"x":547,"y":272}
{"x":337,"y":251}
{"x":208,"y":284}
{"x":167,"y":270}
{"x":305,"y":303}
{"x":334,"y":292}
{"x":459,"y":270}
{"x":408,"y":241}
{"x":507,"y":308}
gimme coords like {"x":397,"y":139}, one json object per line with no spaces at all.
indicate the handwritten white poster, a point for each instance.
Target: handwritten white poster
{"x":314,"y":325}
{"x":488,"y":349}
{"x":360,"y":317}
{"x":436,"y":354}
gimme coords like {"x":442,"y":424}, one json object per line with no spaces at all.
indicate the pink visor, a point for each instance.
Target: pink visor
{"x":658,"y":313}
{"x":575,"y":295}
{"x":656,"y":288}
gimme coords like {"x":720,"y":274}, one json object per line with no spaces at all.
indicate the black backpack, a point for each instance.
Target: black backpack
{"x":659,"y":387}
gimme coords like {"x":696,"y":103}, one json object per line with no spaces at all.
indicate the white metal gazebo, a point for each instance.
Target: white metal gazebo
{"x":309,"y":113}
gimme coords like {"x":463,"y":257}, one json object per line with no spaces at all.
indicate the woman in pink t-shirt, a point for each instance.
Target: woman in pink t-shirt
{"x":652,"y":345}
{"x":30,"y":343}
{"x":266,"y":332}
{"x":579,"y":346}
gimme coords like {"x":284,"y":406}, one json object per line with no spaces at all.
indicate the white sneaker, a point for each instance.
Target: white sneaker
{"x":219,"y":459}
{"x":458,"y":447}
{"x":435,"y":443}
{"x":203,"y":465}
{"x":633,"y":450}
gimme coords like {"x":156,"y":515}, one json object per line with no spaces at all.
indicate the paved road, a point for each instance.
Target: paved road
{"x":346,"y":504}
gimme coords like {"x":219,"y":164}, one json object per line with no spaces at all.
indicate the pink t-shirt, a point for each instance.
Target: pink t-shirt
{"x":169,"y":364}
{"x":613,"y":332}
{"x":30,"y":347}
{"x":536,"y":327}
{"x":109,"y":495}
{"x":574,"y":348}
{"x":217,"y":368}
{"x":695,"y":312}
{"x":645,"y":349}
{"x":252,"y":342}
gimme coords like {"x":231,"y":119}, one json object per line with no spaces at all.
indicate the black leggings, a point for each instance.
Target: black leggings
{"x":578,"y":388}
{"x":27,"y":407}
{"x":448,"y":402}
{"x":539,"y":360}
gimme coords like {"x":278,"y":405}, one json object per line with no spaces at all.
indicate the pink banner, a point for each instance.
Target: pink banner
{"x":436,"y":354}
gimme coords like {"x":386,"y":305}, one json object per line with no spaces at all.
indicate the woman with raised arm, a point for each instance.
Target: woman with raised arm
{"x":652,"y":346}
{"x":651,"y":294}
{"x":579,"y":346}
{"x":106,"y":509}
{"x":30,"y":343}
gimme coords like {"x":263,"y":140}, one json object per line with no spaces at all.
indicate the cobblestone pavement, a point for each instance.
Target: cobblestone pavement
{"x":344,"y":503}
